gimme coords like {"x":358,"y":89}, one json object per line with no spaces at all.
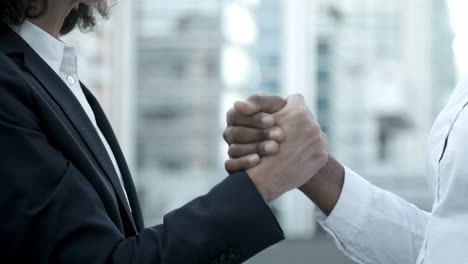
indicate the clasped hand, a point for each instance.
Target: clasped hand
{"x":278,"y":142}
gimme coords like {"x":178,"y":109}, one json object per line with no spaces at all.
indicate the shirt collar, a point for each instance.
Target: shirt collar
{"x":50,"y":49}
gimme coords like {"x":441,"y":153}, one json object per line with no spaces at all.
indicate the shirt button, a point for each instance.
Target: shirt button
{"x":71,"y":80}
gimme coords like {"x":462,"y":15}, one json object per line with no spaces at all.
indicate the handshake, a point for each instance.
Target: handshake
{"x":279,"y":143}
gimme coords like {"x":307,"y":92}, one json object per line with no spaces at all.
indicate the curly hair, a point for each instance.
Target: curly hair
{"x":15,"y":12}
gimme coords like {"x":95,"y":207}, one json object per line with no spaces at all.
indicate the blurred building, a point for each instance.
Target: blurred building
{"x":443,"y":63}
{"x":329,"y":22}
{"x":388,"y":86}
{"x":269,"y":16}
{"x":367,"y":81}
{"x":178,"y":96}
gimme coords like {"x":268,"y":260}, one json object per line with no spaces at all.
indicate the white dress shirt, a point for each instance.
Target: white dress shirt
{"x":371,"y":225}
{"x":62,"y":59}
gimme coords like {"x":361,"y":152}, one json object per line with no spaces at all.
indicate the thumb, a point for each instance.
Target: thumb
{"x":295,"y":100}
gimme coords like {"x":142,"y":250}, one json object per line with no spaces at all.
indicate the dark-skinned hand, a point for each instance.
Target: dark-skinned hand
{"x":251,"y":131}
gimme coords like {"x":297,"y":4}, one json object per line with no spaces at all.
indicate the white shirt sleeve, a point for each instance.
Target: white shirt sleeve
{"x":371,"y":225}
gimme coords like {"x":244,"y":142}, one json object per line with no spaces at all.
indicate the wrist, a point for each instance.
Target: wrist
{"x":268,"y":192}
{"x":324,"y":188}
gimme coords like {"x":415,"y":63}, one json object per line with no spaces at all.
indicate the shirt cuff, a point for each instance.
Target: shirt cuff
{"x":350,"y":213}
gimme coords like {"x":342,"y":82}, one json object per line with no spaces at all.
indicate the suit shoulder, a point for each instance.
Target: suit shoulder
{"x":15,"y":96}
{"x":12,"y":80}
{"x":9,"y":70}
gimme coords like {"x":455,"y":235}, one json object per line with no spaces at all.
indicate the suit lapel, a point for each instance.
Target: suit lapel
{"x":62,"y":95}
{"x":108,"y":132}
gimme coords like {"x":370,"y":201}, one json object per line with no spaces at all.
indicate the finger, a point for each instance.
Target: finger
{"x":246,"y":108}
{"x":260,"y":103}
{"x":246,"y":135}
{"x":266,"y":148}
{"x":276,"y":134}
{"x":259,"y":120}
{"x":244,"y":163}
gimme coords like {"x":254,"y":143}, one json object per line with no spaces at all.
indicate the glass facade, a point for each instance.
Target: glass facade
{"x":268,"y":50}
{"x":178,"y":94}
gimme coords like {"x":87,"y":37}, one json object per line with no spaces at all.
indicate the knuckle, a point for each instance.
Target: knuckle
{"x":254,"y":98}
{"x":228,"y":166}
{"x":233,"y":150}
{"x":230,"y":115}
{"x":238,"y":151}
{"x":225,"y":135}
{"x":264,"y":134}
{"x":244,"y":135}
{"x":237,"y":134}
{"x":234,"y":134}
{"x":261,"y":149}
{"x":228,"y":134}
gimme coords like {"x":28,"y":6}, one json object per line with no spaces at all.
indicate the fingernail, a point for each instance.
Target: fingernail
{"x":253,"y":158}
{"x":270,"y":147}
{"x":275,"y":134}
{"x":267,"y":120}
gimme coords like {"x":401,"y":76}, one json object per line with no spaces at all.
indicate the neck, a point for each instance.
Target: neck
{"x":52,"y":21}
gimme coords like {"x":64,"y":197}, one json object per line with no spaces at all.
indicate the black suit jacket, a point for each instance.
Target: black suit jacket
{"x":61,"y":200}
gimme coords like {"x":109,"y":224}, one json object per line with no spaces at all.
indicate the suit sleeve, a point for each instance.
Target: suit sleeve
{"x":52,"y":214}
